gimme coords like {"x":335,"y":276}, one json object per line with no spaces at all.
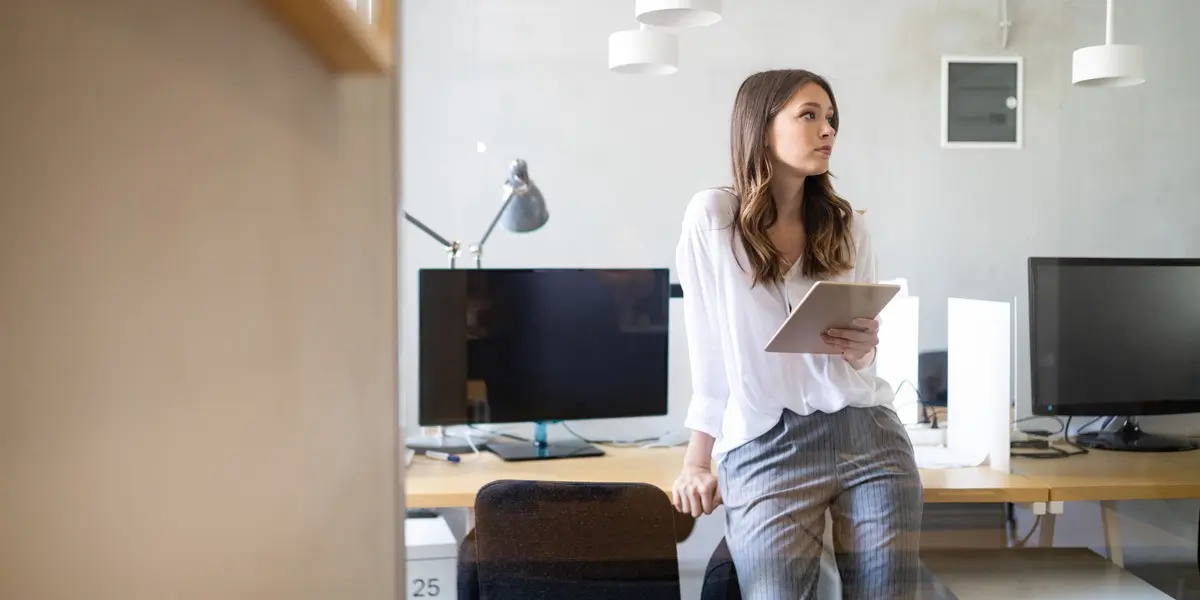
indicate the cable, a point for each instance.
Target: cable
{"x":495,"y":434}
{"x":920,"y":401}
{"x":914,"y":389}
{"x":610,"y":442}
{"x":1067,"y":438}
{"x":1086,"y":425}
{"x":572,"y":432}
{"x":1021,"y":542}
{"x":1052,"y":452}
{"x":491,"y":434}
{"x":471,"y":443}
{"x":1061,"y":426}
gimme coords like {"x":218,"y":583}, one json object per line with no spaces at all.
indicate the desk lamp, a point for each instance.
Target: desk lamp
{"x":522,"y":211}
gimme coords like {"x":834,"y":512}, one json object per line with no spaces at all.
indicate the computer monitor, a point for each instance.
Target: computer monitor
{"x":933,"y":390}
{"x":1115,"y":337}
{"x":541,"y":346}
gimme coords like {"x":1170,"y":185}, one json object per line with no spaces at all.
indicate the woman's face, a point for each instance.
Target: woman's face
{"x":800,"y":138}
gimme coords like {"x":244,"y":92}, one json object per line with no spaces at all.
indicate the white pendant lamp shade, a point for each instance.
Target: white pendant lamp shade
{"x":1110,"y":65}
{"x":643,"y":51}
{"x":678,"y":13}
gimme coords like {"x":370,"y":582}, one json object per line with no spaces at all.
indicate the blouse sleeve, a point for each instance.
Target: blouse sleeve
{"x":694,"y":264}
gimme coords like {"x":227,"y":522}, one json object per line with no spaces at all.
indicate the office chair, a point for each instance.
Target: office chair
{"x":932,"y":374}
{"x":721,"y":579}
{"x":541,"y":540}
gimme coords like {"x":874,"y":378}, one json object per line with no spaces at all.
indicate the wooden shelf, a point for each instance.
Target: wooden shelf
{"x":342,"y":39}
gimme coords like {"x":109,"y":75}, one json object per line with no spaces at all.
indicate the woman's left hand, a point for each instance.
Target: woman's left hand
{"x":856,"y":343}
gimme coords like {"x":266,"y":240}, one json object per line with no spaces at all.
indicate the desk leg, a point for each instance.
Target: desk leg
{"x":1048,"y":511}
{"x":1112,"y":533}
{"x":1046,"y":535}
{"x":470,"y":518}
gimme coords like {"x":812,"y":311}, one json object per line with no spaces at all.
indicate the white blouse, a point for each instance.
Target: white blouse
{"x":739,"y":390}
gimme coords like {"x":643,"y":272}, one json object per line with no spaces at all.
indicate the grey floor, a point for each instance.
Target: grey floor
{"x":1180,"y":581}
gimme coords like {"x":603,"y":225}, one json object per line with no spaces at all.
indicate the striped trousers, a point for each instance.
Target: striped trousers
{"x":856,"y":463}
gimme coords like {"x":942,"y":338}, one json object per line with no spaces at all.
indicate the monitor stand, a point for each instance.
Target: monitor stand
{"x":1131,"y":438}
{"x":540,"y":449}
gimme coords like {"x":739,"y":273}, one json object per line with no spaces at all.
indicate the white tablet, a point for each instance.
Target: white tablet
{"x":828,"y":305}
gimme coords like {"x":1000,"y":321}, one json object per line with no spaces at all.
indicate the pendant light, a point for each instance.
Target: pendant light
{"x":678,"y":13}
{"x":643,"y":51}
{"x":1110,"y":65}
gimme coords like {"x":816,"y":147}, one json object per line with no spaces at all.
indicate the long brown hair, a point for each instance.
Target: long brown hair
{"x":828,"y":247}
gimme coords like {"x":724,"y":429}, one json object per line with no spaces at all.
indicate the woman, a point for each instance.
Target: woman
{"x":794,"y":434}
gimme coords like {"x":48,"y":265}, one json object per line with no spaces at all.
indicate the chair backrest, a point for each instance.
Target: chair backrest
{"x":538,"y":539}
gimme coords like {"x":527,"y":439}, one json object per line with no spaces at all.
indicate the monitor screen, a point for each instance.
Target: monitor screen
{"x":520,"y":345}
{"x":1114,"y":337}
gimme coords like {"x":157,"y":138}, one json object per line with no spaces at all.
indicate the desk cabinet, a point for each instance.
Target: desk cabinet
{"x":431,"y":559}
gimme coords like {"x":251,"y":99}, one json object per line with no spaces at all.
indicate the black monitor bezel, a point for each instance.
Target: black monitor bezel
{"x":653,"y":413}
{"x":1099,"y":409}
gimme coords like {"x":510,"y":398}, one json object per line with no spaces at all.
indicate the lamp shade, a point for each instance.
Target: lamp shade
{"x":643,"y":52}
{"x":1110,"y":65}
{"x":527,"y":209}
{"x":678,"y":13}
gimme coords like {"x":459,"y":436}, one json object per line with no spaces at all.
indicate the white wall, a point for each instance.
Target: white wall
{"x":197,"y":309}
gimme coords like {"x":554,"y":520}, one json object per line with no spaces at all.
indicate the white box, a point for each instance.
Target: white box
{"x":431,"y":558}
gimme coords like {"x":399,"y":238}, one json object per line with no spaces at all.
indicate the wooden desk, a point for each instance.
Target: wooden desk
{"x":1105,"y":475}
{"x":439,"y":484}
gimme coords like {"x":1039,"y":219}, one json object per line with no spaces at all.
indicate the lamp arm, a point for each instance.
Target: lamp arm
{"x":430,"y":232}
{"x":512,"y":193}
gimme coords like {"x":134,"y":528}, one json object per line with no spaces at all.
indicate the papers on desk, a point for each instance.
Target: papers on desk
{"x":941,"y":457}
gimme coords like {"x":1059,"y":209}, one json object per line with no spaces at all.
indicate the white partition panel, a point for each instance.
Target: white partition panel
{"x":979,"y":334}
{"x":896,"y":357}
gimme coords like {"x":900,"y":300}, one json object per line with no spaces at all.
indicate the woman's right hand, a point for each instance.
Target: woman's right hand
{"x":696,"y":492}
